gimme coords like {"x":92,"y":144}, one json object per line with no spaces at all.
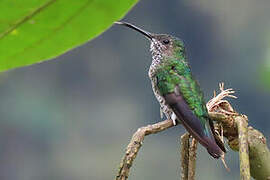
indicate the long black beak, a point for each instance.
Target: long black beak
{"x":147,"y":34}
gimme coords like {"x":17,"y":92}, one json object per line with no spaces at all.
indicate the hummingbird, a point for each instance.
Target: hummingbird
{"x":180,"y":96}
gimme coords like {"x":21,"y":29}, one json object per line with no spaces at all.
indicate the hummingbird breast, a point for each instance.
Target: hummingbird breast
{"x":156,"y":63}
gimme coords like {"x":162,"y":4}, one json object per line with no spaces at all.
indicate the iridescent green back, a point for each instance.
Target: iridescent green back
{"x":174,"y":75}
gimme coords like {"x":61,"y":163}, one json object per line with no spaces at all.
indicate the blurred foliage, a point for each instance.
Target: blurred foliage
{"x":265,"y":77}
{"x":264,"y":70}
{"x":32,"y":31}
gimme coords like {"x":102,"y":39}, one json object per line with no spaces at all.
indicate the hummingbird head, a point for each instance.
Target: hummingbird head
{"x":162,"y":45}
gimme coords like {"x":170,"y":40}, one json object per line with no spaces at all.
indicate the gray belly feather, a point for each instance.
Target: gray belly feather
{"x":163,"y":106}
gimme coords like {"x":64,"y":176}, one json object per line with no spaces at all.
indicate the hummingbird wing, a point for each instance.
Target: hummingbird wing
{"x":182,"y":93}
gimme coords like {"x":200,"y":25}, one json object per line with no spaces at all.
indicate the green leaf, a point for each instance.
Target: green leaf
{"x":32,"y":31}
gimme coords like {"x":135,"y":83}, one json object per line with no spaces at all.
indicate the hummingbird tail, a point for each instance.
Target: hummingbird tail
{"x":193,"y":124}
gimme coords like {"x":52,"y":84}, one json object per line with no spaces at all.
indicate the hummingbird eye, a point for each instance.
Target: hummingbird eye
{"x":166,"y":41}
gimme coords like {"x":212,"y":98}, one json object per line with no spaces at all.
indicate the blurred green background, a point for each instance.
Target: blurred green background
{"x":72,"y":118}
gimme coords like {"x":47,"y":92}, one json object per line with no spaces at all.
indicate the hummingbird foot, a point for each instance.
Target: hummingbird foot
{"x":174,"y":118}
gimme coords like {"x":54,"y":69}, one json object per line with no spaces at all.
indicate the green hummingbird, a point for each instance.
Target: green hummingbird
{"x":178,"y":93}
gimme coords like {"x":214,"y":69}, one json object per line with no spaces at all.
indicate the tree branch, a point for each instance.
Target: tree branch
{"x":241,"y":123}
{"x":135,"y":145}
{"x":192,"y":159}
{"x":184,"y":156}
{"x":231,"y":123}
{"x":257,"y":155}
{"x":188,"y":157}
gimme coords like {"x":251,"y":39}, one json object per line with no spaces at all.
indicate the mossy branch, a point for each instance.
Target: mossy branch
{"x":229,"y":124}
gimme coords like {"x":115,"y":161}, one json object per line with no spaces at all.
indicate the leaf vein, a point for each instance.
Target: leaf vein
{"x":25,"y":18}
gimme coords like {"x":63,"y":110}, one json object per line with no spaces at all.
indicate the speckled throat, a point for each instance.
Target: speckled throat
{"x":155,"y":49}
